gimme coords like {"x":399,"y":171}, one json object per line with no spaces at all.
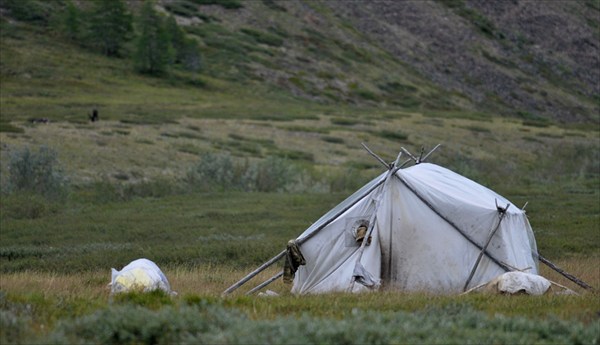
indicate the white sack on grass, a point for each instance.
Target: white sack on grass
{"x":139,"y":275}
{"x":519,"y":282}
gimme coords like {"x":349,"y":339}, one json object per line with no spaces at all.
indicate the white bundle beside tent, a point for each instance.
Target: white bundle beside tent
{"x":139,"y":275}
{"x":422,"y":228}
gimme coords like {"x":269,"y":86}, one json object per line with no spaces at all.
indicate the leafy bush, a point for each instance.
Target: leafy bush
{"x":393,"y":135}
{"x":228,"y":4}
{"x":36,"y":173}
{"x":212,"y":173}
{"x":217,"y":172}
{"x":29,"y":10}
{"x":263,"y":37}
{"x":154,"y":48}
{"x":206,"y":323}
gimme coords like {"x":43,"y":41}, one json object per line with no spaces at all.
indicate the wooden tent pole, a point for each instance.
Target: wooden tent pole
{"x":410,"y":155}
{"x":387,"y":165}
{"x":563,"y":273}
{"x":265,"y":283}
{"x":255,"y":272}
{"x":487,"y":243}
{"x":300,"y":241}
{"x":430,"y":152}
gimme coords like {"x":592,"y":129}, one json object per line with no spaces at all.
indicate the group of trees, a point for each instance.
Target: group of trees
{"x":108,"y":27}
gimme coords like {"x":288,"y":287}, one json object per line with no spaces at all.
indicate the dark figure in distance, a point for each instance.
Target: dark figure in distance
{"x":94,"y":116}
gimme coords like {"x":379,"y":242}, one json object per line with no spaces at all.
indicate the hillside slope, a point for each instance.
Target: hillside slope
{"x":523,"y":57}
{"x":310,"y":81}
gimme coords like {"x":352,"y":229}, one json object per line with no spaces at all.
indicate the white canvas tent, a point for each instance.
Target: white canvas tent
{"x":413,"y":247}
{"x":428,"y":229}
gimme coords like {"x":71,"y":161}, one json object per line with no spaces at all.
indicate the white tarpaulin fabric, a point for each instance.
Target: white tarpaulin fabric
{"x":139,"y":275}
{"x":519,"y":282}
{"x":425,"y":219}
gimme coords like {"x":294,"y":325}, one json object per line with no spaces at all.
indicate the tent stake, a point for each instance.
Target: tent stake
{"x":487,"y":243}
{"x":265,"y":283}
{"x":563,"y":273}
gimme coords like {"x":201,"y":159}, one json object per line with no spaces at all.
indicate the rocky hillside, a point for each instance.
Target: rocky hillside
{"x":521,"y":57}
{"x":537,"y":60}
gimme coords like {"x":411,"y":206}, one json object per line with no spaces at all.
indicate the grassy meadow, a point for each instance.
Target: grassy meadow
{"x":128,"y":196}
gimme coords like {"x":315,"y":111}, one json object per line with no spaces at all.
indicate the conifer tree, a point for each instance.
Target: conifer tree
{"x":71,"y":22}
{"x":109,"y":26}
{"x":186,"y":50}
{"x":154,"y":51}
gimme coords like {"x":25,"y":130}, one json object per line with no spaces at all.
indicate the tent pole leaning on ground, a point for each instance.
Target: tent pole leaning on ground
{"x":563,"y":273}
{"x":265,"y":283}
{"x":255,"y":272}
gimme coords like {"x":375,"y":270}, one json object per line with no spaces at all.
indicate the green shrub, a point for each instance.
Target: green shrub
{"x":228,"y":4}
{"x":393,"y":135}
{"x":263,"y":37}
{"x":366,"y":94}
{"x":333,"y":140}
{"x":212,"y":173}
{"x":274,"y":175}
{"x":36,"y":173}
{"x":29,"y":10}
{"x":274,"y":5}
{"x":13,"y":328}
{"x":182,"y":8}
{"x":533,"y":120}
{"x":206,"y":323}
{"x":217,"y":172}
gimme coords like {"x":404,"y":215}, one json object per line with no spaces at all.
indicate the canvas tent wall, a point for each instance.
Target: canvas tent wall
{"x":428,"y":227}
